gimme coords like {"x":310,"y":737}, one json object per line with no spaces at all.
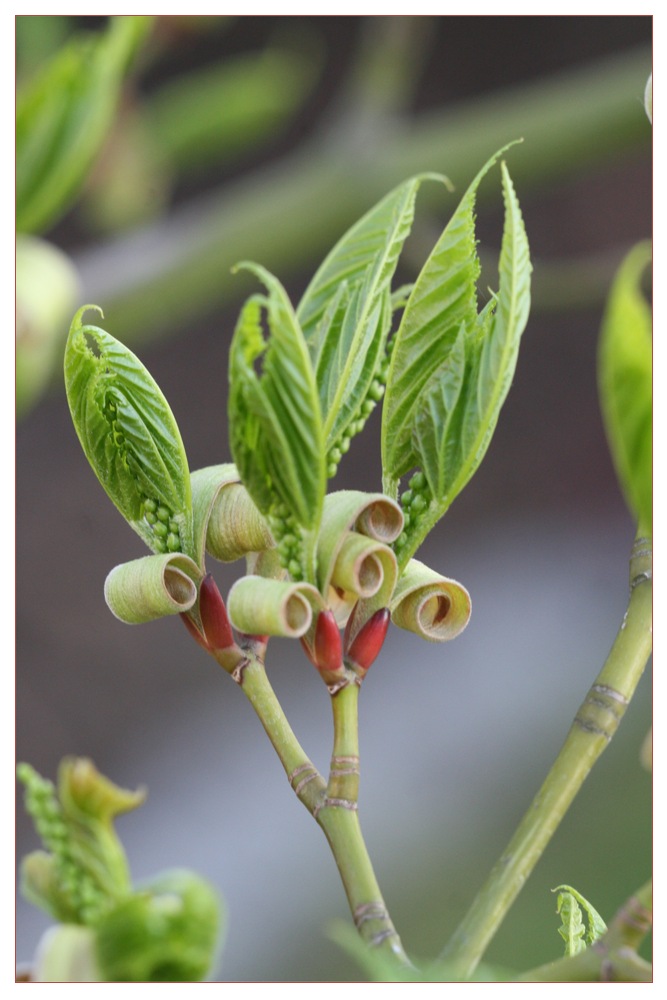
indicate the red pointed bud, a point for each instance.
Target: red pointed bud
{"x":368,"y":641}
{"x":328,"y":646}
{"x":214,"y":615}
{"x":324,"y":648}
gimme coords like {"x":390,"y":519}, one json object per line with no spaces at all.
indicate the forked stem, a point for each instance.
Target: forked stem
{"x":333,"y":805}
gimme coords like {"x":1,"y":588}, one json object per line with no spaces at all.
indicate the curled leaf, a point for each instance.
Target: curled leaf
{"x":129,"y":436}
{"x":432,"y":606}
{"x":370,"y":514}
{"x":152,"y":587}
{"x":236,"y":527}
{"x":259,"y":606}
{"x":206,"y":485}
{"x":357,"y":568}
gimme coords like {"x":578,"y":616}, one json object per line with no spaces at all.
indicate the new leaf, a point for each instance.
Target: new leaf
{"x":345,"y":313}
{"x":451,"y":367}
{"x":274,"y":414}
{"x":129,"y":436}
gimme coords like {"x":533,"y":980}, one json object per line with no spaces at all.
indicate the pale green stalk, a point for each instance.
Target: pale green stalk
{"x":334,"y":806}
{"x":592,"y":729}
{"x":302,"y":774}
{"x":338,"y":816}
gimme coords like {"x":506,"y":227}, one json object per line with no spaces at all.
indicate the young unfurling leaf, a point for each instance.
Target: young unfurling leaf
{"x":129,"y":436}
{"x":345,"y":314}
{"x":625,"y":371}
{"x":276,"y":434}
{"x":451,"y":367}
{"x":572,"y":929}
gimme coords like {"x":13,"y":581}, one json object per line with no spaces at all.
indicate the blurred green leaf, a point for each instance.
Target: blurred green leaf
{"x":274,"y":414}
{"x":63,"y":117}
{"x":167,"y":931}
{"x":625,"y":372}
{"x":451,"y":368}
{"x":212,"y":114}
{"x":129,"y":436}
{"x":345,"y":312}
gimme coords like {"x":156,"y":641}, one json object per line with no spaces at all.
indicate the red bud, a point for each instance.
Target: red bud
{"x":214,"y":615}
{"x":327,"y":650}
{"x":328,"y":647}
{"x":368,"y":641}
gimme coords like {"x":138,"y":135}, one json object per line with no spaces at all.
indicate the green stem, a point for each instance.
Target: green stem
{"x":613,"y":958}
{"x":339,"y":820}
{"x":592,"y":729}
{"x":305,"y":779}
{"x":333,"y":806}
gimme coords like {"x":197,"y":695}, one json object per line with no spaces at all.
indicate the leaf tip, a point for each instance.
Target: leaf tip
{"x":76,"y":322}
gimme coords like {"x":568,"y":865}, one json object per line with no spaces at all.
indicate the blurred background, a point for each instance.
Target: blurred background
{"x":218,"y":139}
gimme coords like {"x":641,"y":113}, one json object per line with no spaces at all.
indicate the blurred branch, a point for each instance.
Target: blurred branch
{"x":282,"y":215}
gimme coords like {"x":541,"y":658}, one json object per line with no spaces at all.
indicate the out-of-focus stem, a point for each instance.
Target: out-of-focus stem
{"x":592,"y":729}
{"x":286,"y":214}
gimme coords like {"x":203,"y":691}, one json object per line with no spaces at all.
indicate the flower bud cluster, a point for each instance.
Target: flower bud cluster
{"x":157,"y":516}
{"x":75,"y":884}
{"x":163,"y":525}
{"x":286,"y":531}
{"x":358,"y":422}
{"x":414,"y":501}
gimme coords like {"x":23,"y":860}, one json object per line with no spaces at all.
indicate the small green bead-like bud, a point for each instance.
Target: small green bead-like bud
{"x":418,"y":504}
{"x":164,"y":514}
{"x":173,"y":543}
{"x":418,"y":482}
{"x":160,"y":529}
{"x":294,"y":569}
